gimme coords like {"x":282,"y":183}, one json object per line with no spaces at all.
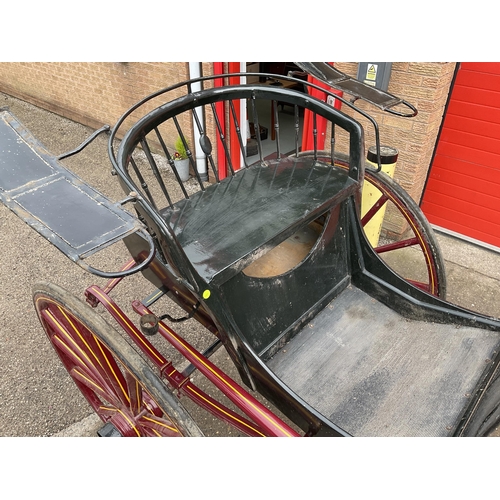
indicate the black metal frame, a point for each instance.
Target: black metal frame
{"x":136,"y":135}
{"x":362,"y":91}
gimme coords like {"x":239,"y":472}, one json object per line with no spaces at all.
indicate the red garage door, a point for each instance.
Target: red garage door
{"x":463,"y":191}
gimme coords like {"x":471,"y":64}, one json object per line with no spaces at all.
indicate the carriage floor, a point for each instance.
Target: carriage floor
{"x":375,"y":373}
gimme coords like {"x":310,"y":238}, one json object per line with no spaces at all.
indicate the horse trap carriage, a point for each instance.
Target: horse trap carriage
{"x":272,"y":259}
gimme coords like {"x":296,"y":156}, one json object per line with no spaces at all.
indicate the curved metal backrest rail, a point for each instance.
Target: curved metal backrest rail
{"x":188,"y":86}
{"x":144,"y":158}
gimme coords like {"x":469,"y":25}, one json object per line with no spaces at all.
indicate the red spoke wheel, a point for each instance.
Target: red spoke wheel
{"x":116,"y":381}
{"x":414,"y":254}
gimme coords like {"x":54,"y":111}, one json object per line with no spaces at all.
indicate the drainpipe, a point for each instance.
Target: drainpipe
{"x":243,"y":111}
{"x":201,"y":161}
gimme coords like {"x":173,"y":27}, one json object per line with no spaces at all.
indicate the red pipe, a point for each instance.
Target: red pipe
{"x":221,"y":116}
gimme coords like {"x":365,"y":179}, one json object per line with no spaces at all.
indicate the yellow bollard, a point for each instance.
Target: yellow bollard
{"x":370,"y":194}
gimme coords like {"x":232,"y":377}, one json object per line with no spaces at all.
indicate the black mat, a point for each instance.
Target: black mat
{"x":375,"y":373}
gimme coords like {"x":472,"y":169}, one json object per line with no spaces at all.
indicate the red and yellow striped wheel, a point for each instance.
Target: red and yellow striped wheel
{"x":116,"y":381}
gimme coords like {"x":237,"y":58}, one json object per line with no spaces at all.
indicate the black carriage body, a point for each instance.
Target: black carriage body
{"x":209,"y":239}
{"x":289,"y":333}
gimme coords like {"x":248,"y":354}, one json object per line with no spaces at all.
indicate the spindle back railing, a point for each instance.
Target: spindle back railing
{"x":269,"y":193}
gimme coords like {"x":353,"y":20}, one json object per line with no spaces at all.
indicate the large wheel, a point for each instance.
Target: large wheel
{"x":415,"y":255}
{"x":117,"y":382}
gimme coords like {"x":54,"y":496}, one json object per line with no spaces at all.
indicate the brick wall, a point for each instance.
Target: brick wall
{"x":90,"y":93}
{"x":98,"y":93}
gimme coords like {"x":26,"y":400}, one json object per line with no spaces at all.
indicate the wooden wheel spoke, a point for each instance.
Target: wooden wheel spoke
{"x":85,"y":351}
{"x":113,"y":372}
{"x":99,"y":387}
{"x":87,"y":374}
{"x":158,"y":426}
{"x":397,"y":245}
{"x":135,"y":393}
{"x":111,"y":412}
{"x":66,"y":339}
{"x":374,"y":209}
{"x":80,"y":336}
{"x":423,"y":235}
{"x":423,"y":286}
{"x":107,"y":411}
{"x":151,"y":405}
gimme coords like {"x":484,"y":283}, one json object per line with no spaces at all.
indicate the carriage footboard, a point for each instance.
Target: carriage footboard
{"x":375,"y":373}
{"x":70,"y":214}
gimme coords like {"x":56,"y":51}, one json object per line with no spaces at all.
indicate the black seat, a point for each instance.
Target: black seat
{"x":223,"y":228}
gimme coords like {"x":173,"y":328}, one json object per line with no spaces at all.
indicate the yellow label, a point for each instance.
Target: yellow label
{"x":206,"y":294}
{"x":371,"y":72}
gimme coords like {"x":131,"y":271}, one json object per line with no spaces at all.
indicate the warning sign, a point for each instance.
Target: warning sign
{"x":371,"y":72}
{"x":375,"y":74}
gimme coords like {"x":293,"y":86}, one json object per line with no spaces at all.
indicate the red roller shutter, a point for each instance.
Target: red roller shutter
{"x":463,"y":190}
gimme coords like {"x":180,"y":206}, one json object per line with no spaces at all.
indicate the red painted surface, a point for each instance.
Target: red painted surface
{"x":234,"y":67}
{"x":262,"y":421}
{"x":463,"y":190}
{"x":219,"y":109}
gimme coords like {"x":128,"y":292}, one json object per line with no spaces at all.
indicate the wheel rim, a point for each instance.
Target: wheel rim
{"x":427,"y":273}
{"x":110,"y":387}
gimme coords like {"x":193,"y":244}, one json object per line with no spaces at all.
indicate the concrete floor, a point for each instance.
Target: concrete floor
{"x":38,"y":397}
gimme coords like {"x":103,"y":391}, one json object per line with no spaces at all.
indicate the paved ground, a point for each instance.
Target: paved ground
{"x":37,"y":396}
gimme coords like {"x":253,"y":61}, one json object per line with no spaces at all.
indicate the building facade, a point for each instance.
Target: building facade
{"x":97,"y":93}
